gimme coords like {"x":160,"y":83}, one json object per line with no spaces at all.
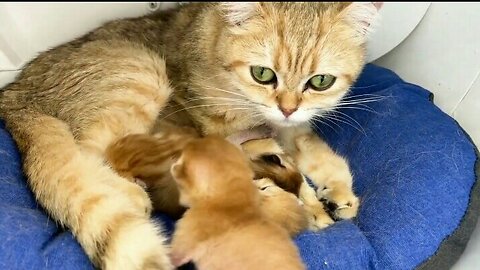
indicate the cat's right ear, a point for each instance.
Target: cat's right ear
{"x":363,"y":17}
{"x":237,"y":13}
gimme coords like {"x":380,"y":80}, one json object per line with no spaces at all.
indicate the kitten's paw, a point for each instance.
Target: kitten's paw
{"x":267,"y":187}
{"x":340,"y":201}
{"x":318,"y":218}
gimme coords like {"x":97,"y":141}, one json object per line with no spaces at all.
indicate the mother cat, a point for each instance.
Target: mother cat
{"x":221,"y":67}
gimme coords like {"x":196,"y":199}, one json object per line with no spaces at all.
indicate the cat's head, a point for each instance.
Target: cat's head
{"x":294,"y":60}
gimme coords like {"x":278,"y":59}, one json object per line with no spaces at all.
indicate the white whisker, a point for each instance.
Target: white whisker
{"x":319,"y":119}
{"x":326,"y":118}
{"x":367,"y":109}
{"x":349,"y":117}
{"x":203,"y":106}
{"x":260,"y":121}
{"x":364,"y":95}
{"x":225,"y":91}
{"x":233,"y":100}
{"x":353,"y":102}
{"x":318,"y":128}
{"x":343,"y":120}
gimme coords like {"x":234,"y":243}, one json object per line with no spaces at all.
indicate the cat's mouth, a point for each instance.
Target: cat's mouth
{"x":277,"y":118}
{"x":287,"y":123}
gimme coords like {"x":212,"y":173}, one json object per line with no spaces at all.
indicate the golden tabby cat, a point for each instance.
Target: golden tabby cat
{"x":219,"y":67}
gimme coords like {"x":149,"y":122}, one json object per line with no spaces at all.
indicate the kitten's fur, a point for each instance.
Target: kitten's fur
{"x":270,"y":161}
{"x":71,"y":102}
{"x":224,"y":227}
{"x":147,"y":158}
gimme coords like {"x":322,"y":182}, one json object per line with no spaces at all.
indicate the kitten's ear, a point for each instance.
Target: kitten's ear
{"x":363,"y":16}
{"x":177,"y":170}
{"x":238,"y":12}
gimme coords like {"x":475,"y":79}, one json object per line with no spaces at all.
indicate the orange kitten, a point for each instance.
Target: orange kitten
{"x":224,"y":218}
{"x":146,"y":160}
{"x":281,"y":207}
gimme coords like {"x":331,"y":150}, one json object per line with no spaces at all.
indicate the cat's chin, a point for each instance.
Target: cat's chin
{"x":285,"y":123}
{"x":276,"y":118}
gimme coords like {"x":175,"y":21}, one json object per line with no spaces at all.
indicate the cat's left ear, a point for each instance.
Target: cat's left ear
{"x":363,"y":16}
{"x":238,"y":12}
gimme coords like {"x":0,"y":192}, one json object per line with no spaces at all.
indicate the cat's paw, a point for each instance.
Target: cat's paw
{"x":339,"y":200}
{"x":137,"y":244}
{"x":318,"y":218}
{"x":137,"y":195}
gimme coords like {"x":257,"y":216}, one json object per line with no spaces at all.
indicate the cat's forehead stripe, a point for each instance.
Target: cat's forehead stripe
{"x":295,"y":63}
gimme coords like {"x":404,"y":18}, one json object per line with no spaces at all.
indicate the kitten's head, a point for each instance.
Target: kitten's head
{"x":294,"y":60}
{"x":209,"y":169}
{"x":268,"y":160}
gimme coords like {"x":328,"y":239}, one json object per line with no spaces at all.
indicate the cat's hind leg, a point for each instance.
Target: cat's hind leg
{"x":114,"y":89}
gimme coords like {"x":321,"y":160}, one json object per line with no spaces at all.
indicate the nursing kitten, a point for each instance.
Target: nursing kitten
{"x":224,"y":226}
{"x":269,"y":160}
{"x":281,"y":207}
{"x":218,"y":67}
{"x":147,"y":159}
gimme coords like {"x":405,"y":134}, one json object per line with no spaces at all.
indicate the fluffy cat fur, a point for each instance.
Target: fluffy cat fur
{"x":190,"y":66}
{"x":224,"y":226}
{"x":148,"y":158}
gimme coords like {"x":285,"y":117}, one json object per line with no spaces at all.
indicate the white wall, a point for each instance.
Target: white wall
{"x":443,"y":55}
{"x":29,"y":28}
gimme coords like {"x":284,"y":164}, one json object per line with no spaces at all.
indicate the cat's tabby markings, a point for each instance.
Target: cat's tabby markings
{"x":191,"y":65}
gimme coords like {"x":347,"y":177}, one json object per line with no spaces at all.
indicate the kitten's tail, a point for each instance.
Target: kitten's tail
{"x":110,"y":219}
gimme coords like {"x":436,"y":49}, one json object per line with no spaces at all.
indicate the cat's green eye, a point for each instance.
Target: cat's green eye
{"x":263,"y":75}
{"x":321,"y":82}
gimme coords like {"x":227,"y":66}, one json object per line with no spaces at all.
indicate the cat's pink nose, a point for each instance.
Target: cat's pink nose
{"x":287,"y":112}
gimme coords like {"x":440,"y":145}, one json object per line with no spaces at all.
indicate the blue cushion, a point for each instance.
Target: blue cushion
{"x":413,"y":166}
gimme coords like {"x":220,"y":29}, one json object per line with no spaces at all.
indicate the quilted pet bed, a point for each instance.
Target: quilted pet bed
{"x":414,"y":169}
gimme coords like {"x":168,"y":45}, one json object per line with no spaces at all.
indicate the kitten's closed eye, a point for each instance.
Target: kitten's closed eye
{"x":273,"y":159}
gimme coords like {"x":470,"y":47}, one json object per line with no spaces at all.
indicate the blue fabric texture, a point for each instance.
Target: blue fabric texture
{"x":413,"y":169}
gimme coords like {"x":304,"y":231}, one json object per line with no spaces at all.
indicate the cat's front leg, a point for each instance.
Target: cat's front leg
{"x":318,"y":218}
{"x":327,"y":170}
